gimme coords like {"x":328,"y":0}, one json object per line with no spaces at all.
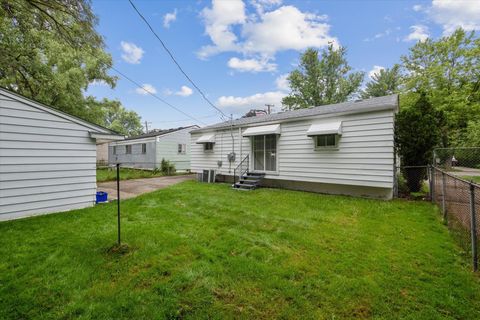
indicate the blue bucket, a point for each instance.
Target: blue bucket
{"x":101,"y":197}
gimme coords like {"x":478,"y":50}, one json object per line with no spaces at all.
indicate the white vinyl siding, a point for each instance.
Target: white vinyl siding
{"x":167,"y":148}
{"x":47,"y":162}
{"x":364,"y":155}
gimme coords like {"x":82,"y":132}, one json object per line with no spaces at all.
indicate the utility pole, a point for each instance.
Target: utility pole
{"x":146,"y":126}
{"x":269,"y":107}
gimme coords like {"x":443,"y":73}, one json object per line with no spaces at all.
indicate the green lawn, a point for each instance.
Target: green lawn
{"x":206,"y":251}
{"x":110,"y":174}
{"x":475,"y":179}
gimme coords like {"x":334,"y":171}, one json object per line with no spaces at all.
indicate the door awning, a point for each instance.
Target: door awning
{"x":318,"y":129}
{"x":262,"y":130}
{"x":207,"y":138}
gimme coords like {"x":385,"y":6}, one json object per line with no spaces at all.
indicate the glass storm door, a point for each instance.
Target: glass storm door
{"x":265,"y":153}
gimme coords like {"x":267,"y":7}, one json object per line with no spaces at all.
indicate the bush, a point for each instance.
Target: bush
{"x":417,"y":132}
{"x":167,"y":167}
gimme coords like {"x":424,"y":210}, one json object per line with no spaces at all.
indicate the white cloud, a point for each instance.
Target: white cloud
{"x":169,"y":18}
{"x":184,"y":92}
{"x":264,"y":33}
{"x":100,"y":83}
{"x":261,"y":5}
{"x":452,"y":14}
{"x":375,"y":70}
{"x":146,"y":87}
{"x":417,"y":7}
{"x":286,"y":28}
{"x":282,"y":82}
{"x":256,"y":101}
{"x":419,"y":33}
{"x":218,"y":25}
{"x":251,"y":65}
{"x":131,"y":53}
{"x":379,"y":35}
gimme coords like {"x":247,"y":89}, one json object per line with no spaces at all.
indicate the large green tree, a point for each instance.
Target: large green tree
{"x":417,"y":133}
{"x":383,"y":83}
{"x":448,"y":71}
{"x":50,"y":52}
{"x":116,"y":117}
{"x":324,"y":80}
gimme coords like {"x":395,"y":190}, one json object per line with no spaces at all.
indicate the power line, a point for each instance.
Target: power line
{"x":155,"y":96}
{"x":182,"y":120}
{"x":176,"y":62}
{"x":148,"y":92}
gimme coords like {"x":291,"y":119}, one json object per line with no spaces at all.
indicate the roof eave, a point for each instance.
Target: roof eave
{"x":365,"y":110}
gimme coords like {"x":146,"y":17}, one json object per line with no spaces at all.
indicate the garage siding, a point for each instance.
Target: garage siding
{"x":47,"y":163}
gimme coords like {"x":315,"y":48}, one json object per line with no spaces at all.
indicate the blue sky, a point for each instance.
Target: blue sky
{"x":239,"y":52}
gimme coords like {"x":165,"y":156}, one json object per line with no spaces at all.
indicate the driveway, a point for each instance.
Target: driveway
{"x":464,"y":171}
{"x":135,"y":187}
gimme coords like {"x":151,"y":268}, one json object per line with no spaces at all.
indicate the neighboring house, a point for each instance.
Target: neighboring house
{"x":102,"y":154}
{"x":344,"y":148}
{"x":147,"y":150}
{"x":47,"y":158}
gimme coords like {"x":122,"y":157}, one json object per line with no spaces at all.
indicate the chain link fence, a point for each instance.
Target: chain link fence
{"x":459,"y":201}
{"x":412,"y":182}
{"x":453,"y":183}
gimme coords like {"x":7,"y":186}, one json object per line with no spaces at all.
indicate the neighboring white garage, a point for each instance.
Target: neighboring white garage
{"x":47,"y":158}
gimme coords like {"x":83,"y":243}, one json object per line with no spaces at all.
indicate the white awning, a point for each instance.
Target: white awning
{"x":257,"y":131}
{"x":317,"y":129}
{"x":207,"y":138}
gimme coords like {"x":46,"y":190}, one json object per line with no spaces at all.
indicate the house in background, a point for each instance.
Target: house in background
{"x":47,"y":158}
{"x":102,"y":154}
{"x":345,"y":148}
{"x":146,"y":151}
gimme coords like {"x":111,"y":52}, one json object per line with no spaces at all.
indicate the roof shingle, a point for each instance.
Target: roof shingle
{"x":378,"y":103}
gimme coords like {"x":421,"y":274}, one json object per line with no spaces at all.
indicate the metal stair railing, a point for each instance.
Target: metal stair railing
{"x":241,"y":169}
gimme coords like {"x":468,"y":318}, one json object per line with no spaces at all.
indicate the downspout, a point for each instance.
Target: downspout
{"x":240,"y":142}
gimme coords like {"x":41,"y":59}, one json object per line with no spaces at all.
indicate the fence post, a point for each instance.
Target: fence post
{"x":118,"y":202}
{"x":444,"y":208}
{"x":473,"y":227}
{"x":432,"y":190}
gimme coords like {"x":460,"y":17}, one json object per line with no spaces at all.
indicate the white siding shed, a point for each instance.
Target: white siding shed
{"x":47,"y":158}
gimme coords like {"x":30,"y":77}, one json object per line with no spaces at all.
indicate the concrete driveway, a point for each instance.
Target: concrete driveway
{"x":463,"y":171}
{"x":135,"y":187}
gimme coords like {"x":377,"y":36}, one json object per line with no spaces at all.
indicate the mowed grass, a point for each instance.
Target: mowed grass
{"x":110,"y":174}
{"x":475,"y":179}
{"x":206,"y":251}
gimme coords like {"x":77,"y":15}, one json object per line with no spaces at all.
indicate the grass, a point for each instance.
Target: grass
{"x":206,"y":251}
{"x":110,"y":174}
{"x":475,"y":179}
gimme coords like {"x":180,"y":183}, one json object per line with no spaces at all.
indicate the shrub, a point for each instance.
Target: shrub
{"x":167,"y":167}
{"x":417,"y":132}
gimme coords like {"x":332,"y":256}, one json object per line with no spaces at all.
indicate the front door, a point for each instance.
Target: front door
{"x":265,"y":152}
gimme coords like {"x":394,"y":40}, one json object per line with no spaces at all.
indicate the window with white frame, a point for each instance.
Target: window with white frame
{"x":326,"y":141}
{"x":208,"y":147}
{"x":114,"y":149}
{"x":128,"y":149}
{"x":182,"y":148}
{"x":144,"y":148}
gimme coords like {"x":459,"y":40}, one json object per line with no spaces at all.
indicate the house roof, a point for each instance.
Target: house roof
{"x":373,"y":104}
{"x":56,"y":112}
{"x":157,"y":133}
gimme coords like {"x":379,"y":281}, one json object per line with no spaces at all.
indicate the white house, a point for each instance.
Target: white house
{"x":47,"y":158}
{"x":345,"y":148}
{"x":147,"y":150}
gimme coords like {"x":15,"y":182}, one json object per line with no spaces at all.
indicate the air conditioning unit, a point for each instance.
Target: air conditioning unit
{"x":207,"y":176}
